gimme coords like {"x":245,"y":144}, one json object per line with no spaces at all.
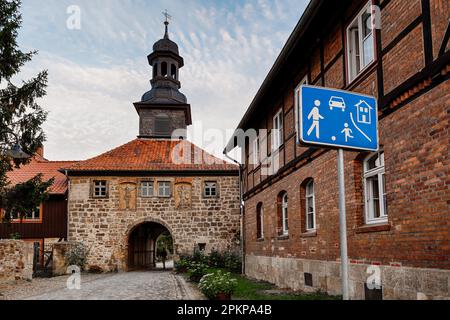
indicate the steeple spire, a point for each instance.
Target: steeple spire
{"x":166,"y":23}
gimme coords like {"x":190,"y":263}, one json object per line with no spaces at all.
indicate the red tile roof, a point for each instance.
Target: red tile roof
{"x":49,"y":169}
{"x":154,"y":155}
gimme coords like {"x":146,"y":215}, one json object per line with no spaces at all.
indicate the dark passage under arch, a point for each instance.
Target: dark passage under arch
{"x":142,"y":253}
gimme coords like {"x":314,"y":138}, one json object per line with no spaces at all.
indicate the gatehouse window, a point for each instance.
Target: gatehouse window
{"x":147,"y":189}
{"x":164,"y":189}
{"x":210,"y":189}
{"x":100,"y":189}
{"x":375,"y":189}
{"x":360,"y":43}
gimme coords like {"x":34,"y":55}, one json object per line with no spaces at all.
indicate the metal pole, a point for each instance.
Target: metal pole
{"x":343,"y":225}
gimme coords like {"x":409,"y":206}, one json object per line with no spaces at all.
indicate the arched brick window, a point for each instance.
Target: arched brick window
{"x":308,"y":205}
{"x":260,"y":221}
{"x":282,"y":214}
{"x":173,"y":71}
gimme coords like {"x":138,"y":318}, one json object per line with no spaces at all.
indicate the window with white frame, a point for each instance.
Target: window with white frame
{"x":375,"y":189}
{"x":260,"y":222}
{"x":360,"y":42}
{"x":210,"y":189}
{"x":297,"y":105}
{"x":147,"y":189}
{"x":100,"y":189}
{"x":310,"y":207}
{"x":285,"y":216}
{"x":164,"y":189}
{"x":277,"y":132}
{"x":256,"y":152}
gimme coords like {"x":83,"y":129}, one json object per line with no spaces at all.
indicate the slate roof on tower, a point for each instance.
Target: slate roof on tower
{"x":147,"y":155}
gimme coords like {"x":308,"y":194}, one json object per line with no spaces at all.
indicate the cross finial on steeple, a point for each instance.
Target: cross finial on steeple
{"x":168,"y":18}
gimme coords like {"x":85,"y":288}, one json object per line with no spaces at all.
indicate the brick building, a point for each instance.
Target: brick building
{"x":398,"y":214}
{"x":122,"y":201}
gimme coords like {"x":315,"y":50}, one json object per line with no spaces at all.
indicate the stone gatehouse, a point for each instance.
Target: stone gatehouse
{"x":121,"y":202}
{"x":110,"y":230}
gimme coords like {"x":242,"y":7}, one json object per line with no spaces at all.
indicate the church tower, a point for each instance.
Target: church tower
{"x":164,"y":109}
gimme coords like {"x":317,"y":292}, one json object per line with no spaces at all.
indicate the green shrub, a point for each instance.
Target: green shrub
{"x":182,"y":265}
{"x":217,"y":283}
{"x":216,"y":259}
{"x":77,"y":256}
{"x":196,"y":271}
{"x":233,"y":262}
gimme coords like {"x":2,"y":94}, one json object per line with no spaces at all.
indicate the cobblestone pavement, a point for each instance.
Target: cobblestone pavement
{"x":156,"y":285}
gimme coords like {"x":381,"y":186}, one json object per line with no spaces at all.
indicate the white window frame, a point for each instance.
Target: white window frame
{"x":261,"y":221}
{"x":312,"y":197}
{"x":378,"y":172}
{"x":351,"y":62}
{"x":256,"y":152}
{"x":298,"y":106}
{"x":149,"y":188}
{"x":285,"y":214}
{"x":166,"y":186}
{"x":100,"y":186}
{"x":278,"y":130}
{"x":208,"y":188}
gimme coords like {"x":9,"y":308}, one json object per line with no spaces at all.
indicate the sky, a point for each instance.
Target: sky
{"x":98,"y":70}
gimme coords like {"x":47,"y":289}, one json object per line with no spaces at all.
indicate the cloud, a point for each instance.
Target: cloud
{"x":96,"y":73}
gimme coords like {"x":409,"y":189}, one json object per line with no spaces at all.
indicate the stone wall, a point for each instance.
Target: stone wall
{"x":398,"y":283}
{"x":104,"y":225}
{"x":16,"y":260}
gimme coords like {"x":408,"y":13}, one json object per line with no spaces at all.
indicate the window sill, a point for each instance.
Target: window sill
{"x":283,"y":237}
{"x":374,"y":228}
{"x":309,"y":234}
{"x":260,"y":240}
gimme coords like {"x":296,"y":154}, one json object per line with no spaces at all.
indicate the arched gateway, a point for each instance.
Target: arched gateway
{"x":142,"y":240}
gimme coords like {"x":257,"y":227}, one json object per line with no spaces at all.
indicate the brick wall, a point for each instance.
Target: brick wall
{"x":415,"y":142}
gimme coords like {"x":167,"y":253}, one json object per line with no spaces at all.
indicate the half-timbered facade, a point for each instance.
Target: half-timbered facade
{"x":397,"y":199}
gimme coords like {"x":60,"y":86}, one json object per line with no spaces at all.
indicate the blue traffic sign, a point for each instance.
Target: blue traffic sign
{"x":338,"y":119}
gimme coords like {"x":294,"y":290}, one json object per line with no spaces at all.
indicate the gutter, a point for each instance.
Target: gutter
{"x":241,"y":208}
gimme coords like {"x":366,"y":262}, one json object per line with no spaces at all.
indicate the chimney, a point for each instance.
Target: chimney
{"x":40,"y":151}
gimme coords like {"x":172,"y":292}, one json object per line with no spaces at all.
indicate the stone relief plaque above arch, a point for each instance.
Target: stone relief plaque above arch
{"x":127,"y":195}
{"x":183,"y":195}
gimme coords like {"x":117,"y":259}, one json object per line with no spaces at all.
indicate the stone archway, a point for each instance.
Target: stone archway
{"x":142,"y":238}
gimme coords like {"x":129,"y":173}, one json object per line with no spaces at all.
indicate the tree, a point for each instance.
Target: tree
{"x":21,"y":117}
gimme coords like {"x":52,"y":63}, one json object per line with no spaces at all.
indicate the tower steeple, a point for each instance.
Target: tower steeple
{"x":164,"y":108}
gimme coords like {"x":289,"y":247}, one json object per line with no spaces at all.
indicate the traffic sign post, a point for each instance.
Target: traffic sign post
{"x":341,"y":120}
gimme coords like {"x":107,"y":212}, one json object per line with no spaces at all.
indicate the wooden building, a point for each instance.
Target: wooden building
{"x":48,"y":223}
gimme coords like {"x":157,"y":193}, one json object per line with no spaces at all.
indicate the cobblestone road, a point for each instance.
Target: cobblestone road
{"x":155,"y":285}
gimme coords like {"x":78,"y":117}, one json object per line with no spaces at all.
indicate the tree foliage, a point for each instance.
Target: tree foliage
{"x":21,"y":117}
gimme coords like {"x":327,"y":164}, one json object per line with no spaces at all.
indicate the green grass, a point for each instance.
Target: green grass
{"x":248,"y":289}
